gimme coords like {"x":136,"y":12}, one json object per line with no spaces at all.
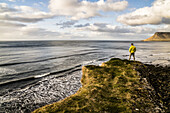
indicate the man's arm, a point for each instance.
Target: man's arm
{"x":130,"y":49}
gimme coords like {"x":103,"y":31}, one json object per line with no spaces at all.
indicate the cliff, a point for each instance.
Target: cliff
{"x":117,"y":86}
{"x":159,"y":36}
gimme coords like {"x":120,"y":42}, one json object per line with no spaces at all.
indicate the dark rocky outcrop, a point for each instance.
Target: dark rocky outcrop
{"x":159,"y":79}
{"x":118,"y":86}
{"x":159,"y":36}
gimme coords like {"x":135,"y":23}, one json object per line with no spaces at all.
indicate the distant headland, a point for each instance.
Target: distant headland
{"x":159,"y":36}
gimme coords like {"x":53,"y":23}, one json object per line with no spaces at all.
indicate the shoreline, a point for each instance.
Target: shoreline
{"x":126,"y":81}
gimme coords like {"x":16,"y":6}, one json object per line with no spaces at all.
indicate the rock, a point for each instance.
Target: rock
{"x":159,"y":36}
{"x":118,"y":86}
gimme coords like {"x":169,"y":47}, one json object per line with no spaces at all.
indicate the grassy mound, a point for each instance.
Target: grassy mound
{"x":114,"y":87}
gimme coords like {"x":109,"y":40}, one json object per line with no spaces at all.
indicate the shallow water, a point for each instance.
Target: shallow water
{"x":33,"y":74}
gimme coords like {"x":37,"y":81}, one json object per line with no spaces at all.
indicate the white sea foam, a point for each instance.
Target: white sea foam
{"x":88,"y":62}
{"x":41,"y":75}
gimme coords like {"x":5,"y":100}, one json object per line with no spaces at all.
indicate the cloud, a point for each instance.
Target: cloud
{"x":38,"y":32}
{"x":164,"y":28}
{"x":67,"y":24}
{"x":15,"y":0}
{"x":77,"y":9}
{"x":12,"y":0}
{"x":4,"y":8}
{"x":96,"y":31}
{"x":106,"y":31}
{"x":81,"y":25}
{"x":39,"y":5}
{"x":10,"y":24}
{"x":112,"y":29}
{"x":22,"y":14}
{"x":18,"y":31}
{"x":158,"y":13}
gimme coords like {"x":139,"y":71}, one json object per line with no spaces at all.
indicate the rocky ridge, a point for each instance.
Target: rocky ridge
{"x":159,"y":36}
{"x":118,"y":86}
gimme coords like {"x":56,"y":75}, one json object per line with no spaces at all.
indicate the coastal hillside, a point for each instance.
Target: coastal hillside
{"x":117,"y":86}
{"x":159,"y":36}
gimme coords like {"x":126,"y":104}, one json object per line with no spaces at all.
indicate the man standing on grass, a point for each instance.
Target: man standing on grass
{"x":132,"y":51}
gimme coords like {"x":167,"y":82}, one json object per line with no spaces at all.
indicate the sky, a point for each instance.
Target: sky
{"x":82,"y":19}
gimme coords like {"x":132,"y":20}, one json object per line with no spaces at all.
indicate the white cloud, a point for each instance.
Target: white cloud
{"x":158,"y":13}
{"x":5,"y":8}
{"x":20,"y":21}
{"x":105,"y":31}
{"x":39,"y":5}
{"x":12,"y":0}
{"x":38,"y":32}
{"x":3,"y":5}
{"x":22,"y":13}
{"x":99,"y":31}
{"x":15,"y":0}
{"x":77,"y":9}
{"x":164,"y":28}
{"x":113,"y":29}
{"x":11,"y":24}
{"x":14,"y":31}
{"x":74,"y":9}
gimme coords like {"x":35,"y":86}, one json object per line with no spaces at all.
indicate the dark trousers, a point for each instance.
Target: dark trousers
{"x":132,"y":54}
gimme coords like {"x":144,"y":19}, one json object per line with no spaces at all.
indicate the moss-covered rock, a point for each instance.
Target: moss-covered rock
{"x":115,"y":87}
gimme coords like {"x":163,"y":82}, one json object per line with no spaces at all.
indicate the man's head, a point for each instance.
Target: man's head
{"x":132,"y":44}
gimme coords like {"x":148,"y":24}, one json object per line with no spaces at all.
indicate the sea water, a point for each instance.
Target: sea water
{"x":36,"y":73}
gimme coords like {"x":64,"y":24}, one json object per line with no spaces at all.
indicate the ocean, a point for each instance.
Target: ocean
{"x":36,"y":73}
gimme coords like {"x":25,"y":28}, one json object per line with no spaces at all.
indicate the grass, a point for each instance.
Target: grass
{"x":113,"y":87}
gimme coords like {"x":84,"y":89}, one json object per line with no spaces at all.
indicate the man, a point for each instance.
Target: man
{"x":132,"y":51}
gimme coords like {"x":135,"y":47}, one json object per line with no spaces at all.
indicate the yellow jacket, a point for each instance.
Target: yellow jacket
{"x":132,"y":49}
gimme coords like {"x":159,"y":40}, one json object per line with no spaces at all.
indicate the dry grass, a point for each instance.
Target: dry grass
{"x":112,"y":88}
